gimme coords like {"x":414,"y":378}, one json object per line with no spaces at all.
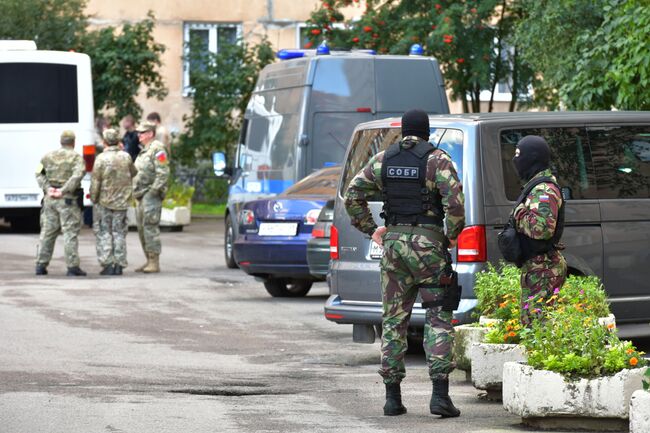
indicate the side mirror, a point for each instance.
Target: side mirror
{"x":219,"y":164}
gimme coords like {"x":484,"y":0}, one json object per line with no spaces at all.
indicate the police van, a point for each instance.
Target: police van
{"x":42,"y":93}
{"x":602,"y":163}
{"x":303,"y":110}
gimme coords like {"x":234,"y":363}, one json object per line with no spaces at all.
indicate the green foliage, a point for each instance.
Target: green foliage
{"x":612,"y":68}
{"x":469,"y":39}
{"x":497,"y":291}
{"x":217,"y":210}
{"x":52,"y":24}
{"x":122,"y":61}
{"x":222,"y":86}
{"x":178,"y":195}
{"x":573,"y":343}
{"x":585,"y":294}
{"x":646,"y":382}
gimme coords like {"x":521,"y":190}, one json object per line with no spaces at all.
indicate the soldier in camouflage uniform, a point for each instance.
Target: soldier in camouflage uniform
{"x":59,"y":176}
{"x":415,"y":255}
{"x":149,"y":188}
{"x":538,"y":217}
{"x":111,"y":191}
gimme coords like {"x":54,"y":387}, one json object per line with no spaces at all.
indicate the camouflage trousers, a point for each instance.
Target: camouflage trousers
{"x":541,"y":276}
{"x":59,"y":216}
{"x":147,"y":214}
{"x":412,"y":264}
{"x":110,"y":229}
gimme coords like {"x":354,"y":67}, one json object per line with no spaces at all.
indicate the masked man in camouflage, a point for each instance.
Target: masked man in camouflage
{"x":539,"y":221}
{"x":149,"y":188}
{"x":421,"y":191}
{"x":111,"y":191}
{"x":59,"y":176}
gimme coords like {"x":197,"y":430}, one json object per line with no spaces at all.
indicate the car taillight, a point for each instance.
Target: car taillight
{"x":334,"y":243}
{"x":472,"y":245}
{"x":89,"y":156}
{"x":312,"y":217}
{"x":247,"y":217}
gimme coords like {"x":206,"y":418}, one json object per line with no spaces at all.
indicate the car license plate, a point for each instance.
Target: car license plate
{"x":376,"y":250}
{"x":278,"y":229}
{"x":21,"y":197}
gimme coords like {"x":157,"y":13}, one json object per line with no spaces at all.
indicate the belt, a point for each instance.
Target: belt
{"x":420,"y":231}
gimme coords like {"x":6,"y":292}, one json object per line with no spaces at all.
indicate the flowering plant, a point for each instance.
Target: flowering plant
{"x":646,"y":383}
{"x":574,"y":343}
{"x":498,"y":291}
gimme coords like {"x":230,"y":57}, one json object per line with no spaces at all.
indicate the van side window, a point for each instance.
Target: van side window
{"x":570,"y":160}
{"x":622,"y":161}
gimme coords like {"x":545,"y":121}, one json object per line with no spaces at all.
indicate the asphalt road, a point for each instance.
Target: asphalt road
{"x":197,"y":348}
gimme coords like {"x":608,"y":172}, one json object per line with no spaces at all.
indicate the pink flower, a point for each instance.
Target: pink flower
{"x":530,"y":298}
{"x":526,"y":306}
{"x":537,"y":310}
{"x":582,"y":292}
{"x":556,"y":291}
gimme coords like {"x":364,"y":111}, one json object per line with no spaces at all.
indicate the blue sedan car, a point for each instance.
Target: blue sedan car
{"x":274,"y":232}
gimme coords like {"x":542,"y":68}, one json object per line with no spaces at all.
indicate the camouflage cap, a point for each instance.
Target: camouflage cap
{"x":67,"y":137}
{"x":111,"y":136}
{"x":146,"y":126}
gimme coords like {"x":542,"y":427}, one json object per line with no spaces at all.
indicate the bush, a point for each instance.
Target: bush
{"x":646,"y":382}
{"x":584,"y":293}
{"x":497,"y":292}
{"x":572,"y":342}
{"x":178,"y":195}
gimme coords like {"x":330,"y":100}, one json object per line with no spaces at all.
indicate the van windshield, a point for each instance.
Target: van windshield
{"x":38,"y":93}
{"x":368,"y":142}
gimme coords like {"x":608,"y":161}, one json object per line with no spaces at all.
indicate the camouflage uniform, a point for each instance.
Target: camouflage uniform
{"x":149,"y":188}
{"x":411,"y":260}
{"x":111,"y":191}
{"x":63,"y":169}
{"x":537,"y":217}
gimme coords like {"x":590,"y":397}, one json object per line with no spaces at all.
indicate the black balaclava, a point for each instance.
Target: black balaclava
{"x":415,"y":122}
{"x":534,"y":156}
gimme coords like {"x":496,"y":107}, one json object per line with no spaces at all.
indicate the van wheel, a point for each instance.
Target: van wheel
{"x":229,"y":240}
{"x":284,"y":288}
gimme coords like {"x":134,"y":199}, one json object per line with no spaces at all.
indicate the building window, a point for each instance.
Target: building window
{"x":302,"y":35}
{"x":207,"y":37}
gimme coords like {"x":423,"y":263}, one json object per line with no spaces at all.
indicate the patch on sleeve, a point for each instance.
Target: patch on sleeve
{"x":544,"y":198}
{"x":544,"y":208}
{"x":161,"y":156}
{"x":39,"y":168}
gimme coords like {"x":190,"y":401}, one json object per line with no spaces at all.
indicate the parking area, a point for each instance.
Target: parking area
{"x":197,"y":348}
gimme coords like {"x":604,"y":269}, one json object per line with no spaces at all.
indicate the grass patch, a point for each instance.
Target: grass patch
{"x":210,"y":209}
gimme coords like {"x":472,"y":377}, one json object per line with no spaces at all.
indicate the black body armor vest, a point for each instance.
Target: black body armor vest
{"x":407,"y":200}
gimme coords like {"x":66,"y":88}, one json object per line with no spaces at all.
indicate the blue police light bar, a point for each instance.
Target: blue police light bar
{"x":416,"y":50}
{"x":290,"y":54}
{"x":322,"y":49}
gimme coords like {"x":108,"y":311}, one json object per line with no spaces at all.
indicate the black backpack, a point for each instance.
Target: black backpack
{"x":516,"y":247}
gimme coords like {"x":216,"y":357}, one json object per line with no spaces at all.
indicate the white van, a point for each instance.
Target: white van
{"x":42,"y":93}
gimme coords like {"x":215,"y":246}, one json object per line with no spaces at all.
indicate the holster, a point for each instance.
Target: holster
{"x":452,"y":291}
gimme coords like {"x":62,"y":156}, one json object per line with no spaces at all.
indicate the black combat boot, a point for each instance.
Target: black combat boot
{"x":75,"y":271}
{"x":108,"y":270}
{"x":440,"y":402}
{"x":393,"y":404}
{"x":117,"y":270}
{"x":41,"y":269}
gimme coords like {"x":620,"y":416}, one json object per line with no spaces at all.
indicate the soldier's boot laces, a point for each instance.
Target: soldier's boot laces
{"x":41,"y":269}
{"x":440,"y":403}
{"x":108,"y":270}
{"x":117,"y":269}
{"x":154,"y":264}
{"x":75,"y":271}
{"x":394,"y":404}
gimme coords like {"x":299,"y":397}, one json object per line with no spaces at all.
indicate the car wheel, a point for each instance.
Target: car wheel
{"x":283,"y":288}
{"x":229,"y":240}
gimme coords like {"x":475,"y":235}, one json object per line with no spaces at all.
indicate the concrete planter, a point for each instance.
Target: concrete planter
{"x":640,"y":412}
{"x":487,"y":365}
{"x":464,"y":337}
{"x":546,"y":400}
{"x":178,"y":216}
